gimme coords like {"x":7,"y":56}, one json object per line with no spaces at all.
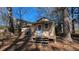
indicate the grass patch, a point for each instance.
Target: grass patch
{"x":2,"y":27}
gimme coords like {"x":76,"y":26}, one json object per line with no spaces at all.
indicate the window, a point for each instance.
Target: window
{"x":46,"y":25}
{"x":39,"y":27}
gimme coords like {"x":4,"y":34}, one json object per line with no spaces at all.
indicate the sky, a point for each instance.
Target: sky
{"x":32,"y":14}
{"x":29,"y":13}
{"x":75,"y":12}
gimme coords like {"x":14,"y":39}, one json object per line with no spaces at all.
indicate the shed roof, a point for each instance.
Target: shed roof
{"x":43,"y":20}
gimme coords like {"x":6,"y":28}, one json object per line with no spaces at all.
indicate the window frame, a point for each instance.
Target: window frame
{"x":45,"y":26}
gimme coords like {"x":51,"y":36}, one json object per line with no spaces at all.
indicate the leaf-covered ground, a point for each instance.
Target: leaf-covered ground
{"x":12,"y":42}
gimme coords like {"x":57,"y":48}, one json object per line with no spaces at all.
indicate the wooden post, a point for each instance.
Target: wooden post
{"x":52,"y":32}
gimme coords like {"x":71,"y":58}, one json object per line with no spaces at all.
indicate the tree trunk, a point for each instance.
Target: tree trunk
{"x":11,"y":28}
{"x":67,"y":26}
{"x":73,"y":28}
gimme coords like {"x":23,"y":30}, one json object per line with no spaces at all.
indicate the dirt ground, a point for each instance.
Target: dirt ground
{"x":58,"y":46}
{"x":10,"y":43}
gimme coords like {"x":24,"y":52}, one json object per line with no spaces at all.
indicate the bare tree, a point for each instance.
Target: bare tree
{"x":11,"y":26}
{"x":64,"y":15}
{"x":20,"y":12}
{"x":3,"y":16}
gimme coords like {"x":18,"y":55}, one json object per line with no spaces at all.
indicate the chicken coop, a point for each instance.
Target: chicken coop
{"x":44,"y":28}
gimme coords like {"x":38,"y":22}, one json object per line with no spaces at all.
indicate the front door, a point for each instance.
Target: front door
{"x":39,"y":30}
